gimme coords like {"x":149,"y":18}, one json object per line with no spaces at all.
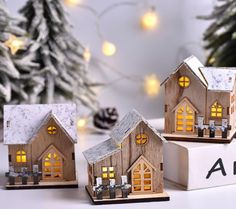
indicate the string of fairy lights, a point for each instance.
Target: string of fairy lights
{"x":148,"y":21}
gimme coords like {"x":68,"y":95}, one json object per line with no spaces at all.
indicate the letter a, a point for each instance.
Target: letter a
{"x":213,"y":169}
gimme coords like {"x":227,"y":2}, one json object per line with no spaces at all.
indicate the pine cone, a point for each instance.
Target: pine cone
{"x":105,"y":118}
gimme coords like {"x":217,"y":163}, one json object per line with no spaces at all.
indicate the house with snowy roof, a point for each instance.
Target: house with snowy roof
{"x":199,"y":103}
{"x":134,"y":151}
{"x":40,"y":139}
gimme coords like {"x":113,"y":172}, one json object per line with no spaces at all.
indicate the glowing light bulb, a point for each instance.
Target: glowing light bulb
{"x":108,"y":48}
{"x":14,"y":44}
{"x":72,"y":2}
{"x":81,"y":123}
{"x":149,"y":20}
{"x":151,"y":85}
{"x":87,"y":55}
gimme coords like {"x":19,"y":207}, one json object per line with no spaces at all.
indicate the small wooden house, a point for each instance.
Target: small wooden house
{"x":200,"y":103}
{"x":40,"y":140}
{"x":133,"y":155}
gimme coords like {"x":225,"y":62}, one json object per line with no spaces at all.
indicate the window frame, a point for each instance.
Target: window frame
{"x":108,"y":171}
{"x":52,"y":130}
{"x":21,"y":156}
{"x":185,"y":83}
{"x":217,"y":106}
{"x":141,"y":139}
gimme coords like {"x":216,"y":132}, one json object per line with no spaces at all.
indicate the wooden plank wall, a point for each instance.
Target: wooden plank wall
{"x":130,"y":152}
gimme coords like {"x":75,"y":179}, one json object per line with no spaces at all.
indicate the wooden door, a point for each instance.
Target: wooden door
{"x":52,"y":165}
{"x":184,"y":118}
{"x":142,"y":178}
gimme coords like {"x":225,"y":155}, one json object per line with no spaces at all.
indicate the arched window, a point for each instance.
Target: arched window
{"x":141,"y":139}
{"x":21,"y":156}
{"x":184,"y":81}
{"x":216,"y":110}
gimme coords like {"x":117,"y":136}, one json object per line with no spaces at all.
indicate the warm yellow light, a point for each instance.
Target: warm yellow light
{"x":149,"y":20}
{"x":108,"y":48}
{"x":87,"y":55}
{"x":72,"y":2}
{"x":151,"y":85}
{"x":14,"y":44}
{"x":81,"y":123}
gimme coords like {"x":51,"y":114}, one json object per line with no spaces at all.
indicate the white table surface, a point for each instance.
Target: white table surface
{"x":215,"y":198}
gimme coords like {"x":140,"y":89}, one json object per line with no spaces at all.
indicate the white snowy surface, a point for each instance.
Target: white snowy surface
{"x":24,"y":120}
{"x":219,"y":79}
{"x":194,"y":64}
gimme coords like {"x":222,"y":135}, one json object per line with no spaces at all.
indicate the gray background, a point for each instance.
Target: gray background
{"x":139,"y":52}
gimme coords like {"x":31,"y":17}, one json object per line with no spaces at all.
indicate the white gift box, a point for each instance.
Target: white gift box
{"x":200,"y":165}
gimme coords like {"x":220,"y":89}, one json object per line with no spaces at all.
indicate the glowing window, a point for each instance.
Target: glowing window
{"x":21,"y":156}
{"x":184,"y":81}
{"x":216,"y":110}
{"x":108,"y":172}
{"x":52,"y":130}
{"x":141,"y":139}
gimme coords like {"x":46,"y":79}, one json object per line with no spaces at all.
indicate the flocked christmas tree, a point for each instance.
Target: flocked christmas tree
{"x":59,"y":69}
{"x":10,"y":34}
{"x":220,"y":36}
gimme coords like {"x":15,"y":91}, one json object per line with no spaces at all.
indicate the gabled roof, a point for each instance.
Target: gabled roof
{"x":128,"y":124}
{"x":213,"y":78}
{"x":185,"y":99}
{"x":48,"y":117}
{"x":194,"y":66}
{"x":219,"y":79}
{"x":119,"y":133}
{"x":101,"y":151}
{"x":138,"y":160}
{"x":21,"y":122}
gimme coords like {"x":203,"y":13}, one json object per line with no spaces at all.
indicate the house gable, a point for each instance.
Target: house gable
{"x":138,"y":161}
{"x":51,"y":122}
{"x":185,"y":100}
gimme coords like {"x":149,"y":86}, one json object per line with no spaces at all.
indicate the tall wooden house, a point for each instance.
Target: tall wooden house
{"x":133,"y":155}
{"x":40,"y":140}
{"x":200,"y":103}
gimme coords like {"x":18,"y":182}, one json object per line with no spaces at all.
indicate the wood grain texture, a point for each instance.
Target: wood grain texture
{"x":130,"y":152}
{"x":202,"y":99}
{"x":39,"y":145}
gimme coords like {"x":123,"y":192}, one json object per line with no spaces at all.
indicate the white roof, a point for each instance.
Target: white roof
{"x":213,"y":78}
{"x":128,"y":124}
{"x":219,"y":79}
{"x":194,"y":64}
{"x":118,"y":134}
{"x":23,"y":121}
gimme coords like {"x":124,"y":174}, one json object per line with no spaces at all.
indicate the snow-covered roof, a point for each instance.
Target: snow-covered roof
{"x":213,"y":78}
{"x":219,"y":79}
{"x":101,"y":151}
{"x":128,"y":124}
{"x":22,"y":122}
{"x":194,"y":65}
{"x":118,"y":134}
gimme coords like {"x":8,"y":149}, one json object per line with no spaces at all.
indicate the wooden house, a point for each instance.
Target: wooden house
{"x":40,"y":140}
{"x":200,"y":103}
{"x":134,"y":153}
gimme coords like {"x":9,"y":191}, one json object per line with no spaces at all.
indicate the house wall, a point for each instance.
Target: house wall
{"x":61,"y":141}
{"x":201,"y":98}
{"x":12,"y":150}
{"x":130,"y":152}
{"x":40,"y":144}
{"x":195,"y":93}
{"x":232,"y":116}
